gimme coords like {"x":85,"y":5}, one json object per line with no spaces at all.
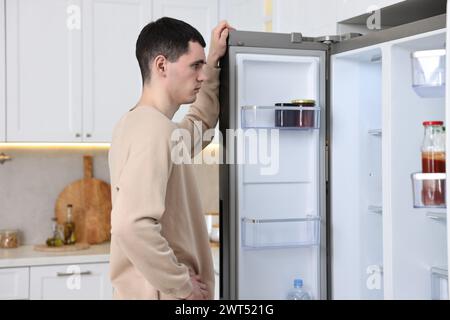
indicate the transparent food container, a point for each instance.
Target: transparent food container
{"x":9,"y":239}
{"x":281,"y":117}
{"x":429,"y":190}
{"x":428,"y":68}
{"x":280,"y":233}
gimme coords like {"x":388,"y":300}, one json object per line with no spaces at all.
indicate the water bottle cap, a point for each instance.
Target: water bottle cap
{"x":298,"y":283}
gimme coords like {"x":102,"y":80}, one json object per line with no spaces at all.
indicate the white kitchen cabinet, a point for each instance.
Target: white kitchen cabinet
{"x":112,"y":80}
{"x":217,"y":287}
{"x":308,"y":17}
{"x":71,"y":68}
{"x":71,"y":282}
{"x":2,"y":74}
{"x":43,"y":54}
{"x":14,"y":283}
{"x":215,"y":250}
{"x":245,"y":15}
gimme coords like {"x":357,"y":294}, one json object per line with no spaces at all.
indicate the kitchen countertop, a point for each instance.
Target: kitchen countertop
{"x":24,"y":256}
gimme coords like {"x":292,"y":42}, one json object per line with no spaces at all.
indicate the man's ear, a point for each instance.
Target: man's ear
{"x":160,"y":65}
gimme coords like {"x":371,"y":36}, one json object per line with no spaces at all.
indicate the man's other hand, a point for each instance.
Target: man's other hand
{"x":199,"y":289}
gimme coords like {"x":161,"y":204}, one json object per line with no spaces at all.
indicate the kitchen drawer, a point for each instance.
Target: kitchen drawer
{"x":14,"y":283}
{"x":71,"y":282}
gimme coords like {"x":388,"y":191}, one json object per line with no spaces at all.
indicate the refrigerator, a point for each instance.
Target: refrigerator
{"x":330,"y":200}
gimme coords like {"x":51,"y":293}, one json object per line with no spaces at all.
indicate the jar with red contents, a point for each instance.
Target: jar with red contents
{"x":433,"y":161}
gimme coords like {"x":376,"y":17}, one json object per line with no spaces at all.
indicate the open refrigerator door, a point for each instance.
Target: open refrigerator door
{"x":388,"y":213}
{"x":278,"y":200}
{"x":276,"y":184}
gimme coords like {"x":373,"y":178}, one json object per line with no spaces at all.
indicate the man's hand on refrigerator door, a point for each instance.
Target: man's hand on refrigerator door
{"x":218,"y":45}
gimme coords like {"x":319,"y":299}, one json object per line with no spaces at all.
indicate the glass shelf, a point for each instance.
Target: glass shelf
{"x":296,"y":118}
{"x":280,"y":233}
{"x":439,"y":283}
{"x":429,"y":190}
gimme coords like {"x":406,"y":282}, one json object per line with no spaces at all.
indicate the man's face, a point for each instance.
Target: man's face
{"x":185,"y":76}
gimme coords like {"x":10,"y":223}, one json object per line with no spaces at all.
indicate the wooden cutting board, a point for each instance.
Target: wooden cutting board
{"x":64,"y":248}
{"x":91,"y":201}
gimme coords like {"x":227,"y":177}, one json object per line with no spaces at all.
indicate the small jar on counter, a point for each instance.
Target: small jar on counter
{"x":9,"y":239}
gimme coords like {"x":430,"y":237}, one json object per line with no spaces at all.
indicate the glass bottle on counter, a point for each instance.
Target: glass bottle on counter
{"x":57,"y":238}
{"x":433,"y":161}
{"x":69,"y":227}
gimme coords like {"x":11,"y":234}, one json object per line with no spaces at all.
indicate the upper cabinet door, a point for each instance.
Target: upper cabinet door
{"x":112,"y":79}
{"x":43,"y":62}
{"x":2,"y":74}
{"x":246,"y":15}
{"x":201,"y":14}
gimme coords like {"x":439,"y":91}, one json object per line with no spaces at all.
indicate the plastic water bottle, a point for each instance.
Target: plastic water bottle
{"x":298,"y":292}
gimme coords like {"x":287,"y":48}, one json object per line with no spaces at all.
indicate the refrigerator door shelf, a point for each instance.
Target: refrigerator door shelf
{"x":297,"y":118}
{"x":280,"y":233}
{"x":439,"y":283}
{"x":429,"y":73}
{"x":423,"y":91}
{"x":429,"y":190}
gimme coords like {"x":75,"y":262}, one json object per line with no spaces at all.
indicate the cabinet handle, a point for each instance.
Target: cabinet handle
{"x":77,"y":135}
{"x":88,"y":135}
{"x":66,"y":274}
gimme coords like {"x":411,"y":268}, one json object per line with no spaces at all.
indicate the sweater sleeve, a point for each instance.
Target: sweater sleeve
{"x":139,"y":206}
{"x":204,"y":112}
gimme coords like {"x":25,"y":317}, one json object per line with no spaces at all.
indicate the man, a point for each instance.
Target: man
{"x":159,"y":243}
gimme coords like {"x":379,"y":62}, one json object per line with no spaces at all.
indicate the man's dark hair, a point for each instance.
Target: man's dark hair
{"x":166,"y":36}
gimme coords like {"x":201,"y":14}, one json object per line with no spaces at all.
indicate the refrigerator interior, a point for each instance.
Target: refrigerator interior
{"x":373,"y":168}
{"x":416,"y":243}
{"x":278,"y":214}
{"x":356,"y":190}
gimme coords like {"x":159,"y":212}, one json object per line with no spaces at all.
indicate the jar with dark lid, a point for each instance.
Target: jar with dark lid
{"x":304,"y":102}
{"x":306,"y":118}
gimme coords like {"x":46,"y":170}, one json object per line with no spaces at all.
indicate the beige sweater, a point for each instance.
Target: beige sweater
{"x":158,"y":226}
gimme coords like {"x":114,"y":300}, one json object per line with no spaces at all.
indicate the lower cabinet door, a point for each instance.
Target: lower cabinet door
{"x":71,"y":282}
{"x":14,"y":283}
